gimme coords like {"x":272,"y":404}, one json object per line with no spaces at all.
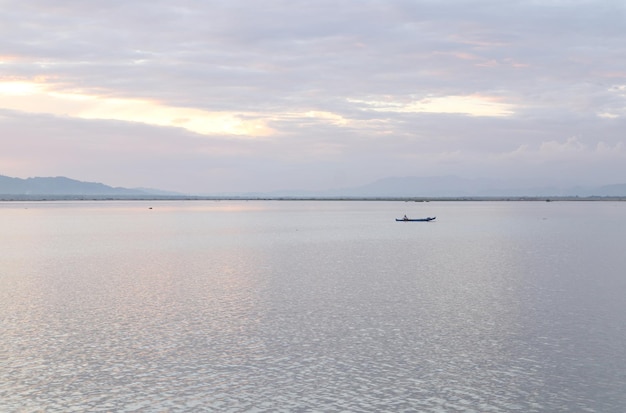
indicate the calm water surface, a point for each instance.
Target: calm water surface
{"x":312,"y":306}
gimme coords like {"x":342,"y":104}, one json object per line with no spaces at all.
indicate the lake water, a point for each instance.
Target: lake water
{"x":303,"y":306}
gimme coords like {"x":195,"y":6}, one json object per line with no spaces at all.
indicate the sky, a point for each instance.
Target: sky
{"x":210,"y":96}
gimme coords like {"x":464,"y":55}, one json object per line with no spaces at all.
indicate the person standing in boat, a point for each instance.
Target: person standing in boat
{"x":405,"y":218}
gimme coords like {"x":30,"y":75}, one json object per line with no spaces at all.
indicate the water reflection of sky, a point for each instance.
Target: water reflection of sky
{"x":287,"y":306}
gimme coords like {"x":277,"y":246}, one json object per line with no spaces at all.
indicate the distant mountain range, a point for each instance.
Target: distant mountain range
{"x":62,"y":186}
{"x":453,"y":186}
{"x":456,"y":187}
{"x":392,"y":187}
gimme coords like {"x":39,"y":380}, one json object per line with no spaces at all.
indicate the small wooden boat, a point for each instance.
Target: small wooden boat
{"x":416,"y":219}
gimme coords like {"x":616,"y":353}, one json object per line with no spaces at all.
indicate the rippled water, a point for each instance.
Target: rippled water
{"x":312,"y":306}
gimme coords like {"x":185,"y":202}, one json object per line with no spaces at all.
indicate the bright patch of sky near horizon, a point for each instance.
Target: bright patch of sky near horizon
{"x":242,"y":96}
{"x":33,"y":97}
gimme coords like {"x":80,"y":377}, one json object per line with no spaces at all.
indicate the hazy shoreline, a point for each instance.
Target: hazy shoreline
{"x":48,"y":198}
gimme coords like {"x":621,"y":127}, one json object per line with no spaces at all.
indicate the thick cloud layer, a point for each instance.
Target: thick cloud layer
{"x":211,"y":96}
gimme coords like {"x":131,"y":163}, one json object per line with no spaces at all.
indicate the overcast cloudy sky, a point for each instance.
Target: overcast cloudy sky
{"x":204,"y":96}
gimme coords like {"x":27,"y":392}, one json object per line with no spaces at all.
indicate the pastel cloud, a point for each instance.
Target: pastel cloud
{"x":37,"y":98}
{"x":255,"y":96}
{"x":473,"y":105}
